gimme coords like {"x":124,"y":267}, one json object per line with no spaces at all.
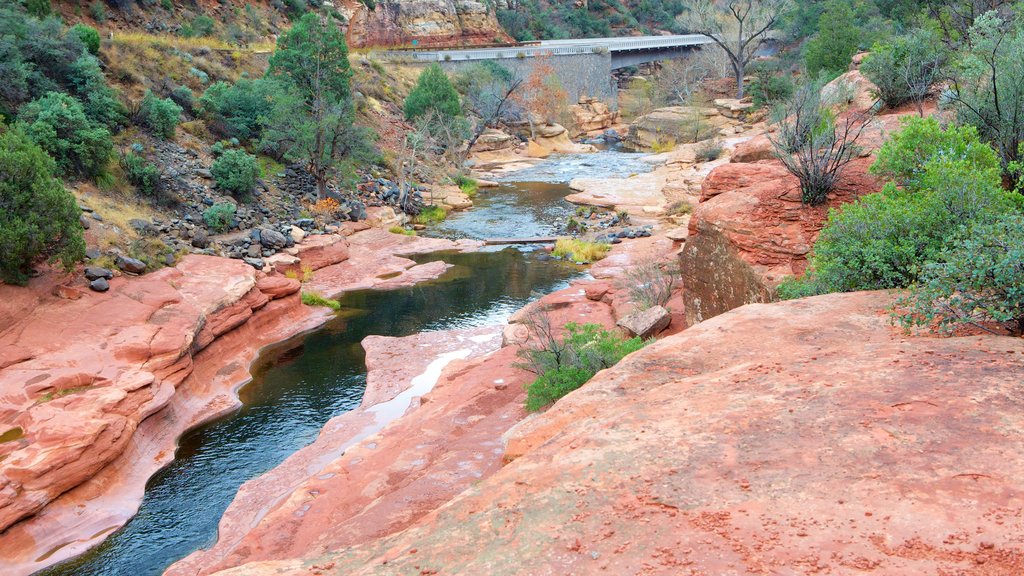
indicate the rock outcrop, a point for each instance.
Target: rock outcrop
{"x":757,"y":442}
{"x":590,"y":115}
{"x":666,"y":127}
{"x":425,"y":23}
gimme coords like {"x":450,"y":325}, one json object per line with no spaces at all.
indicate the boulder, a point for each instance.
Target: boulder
{"x":297,"y":234}
{"x":591,"y":115}
{"x":200,"y":239}
{"x":733,"y":108}
{"x":130,"y":265}
{"x":493,"y":139}
{"x":99,"y":285}
{"x":675,"y":125}
{"x":752,"y":150}
{"x":549,"y":130}
{"x":273,"y":239}
{"x":278,"y":286}
{"x":67,"y":292}
{"x":850,"y":91}
{"x":94,"y":272}
{"x":647,"y":323}
{"x":256,"y":263}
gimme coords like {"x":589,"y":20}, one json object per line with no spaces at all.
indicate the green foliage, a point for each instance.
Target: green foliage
{"x":563,"y":365}
{"x":902,"y":158}
{"x":38,"y":217}
{"x":236,"y":172}
{"x":38,"y":8}
{"x":976,"y":280}
{"x":57,"y":122}
{"x":431,"y":215}
{"x":315,"y":299}
{"x":770,"y":86}
{"x":989,"y":91}
{"x":219,"y":216}
{"x":836,"y":41}
{"x":200,"y":27}
{"x":239,"y":110}
{"x":580,"y":250}
{"x":468,"y":185}
{"x":160,"y":115}
{"x":167,"y":5}
{"x":98,"y":11}
{"x":433,"y":91}
{"x":312,"y":118}
{"x":144,"y":175}
{"x":904,"y":69}
{"x":90,"y":37}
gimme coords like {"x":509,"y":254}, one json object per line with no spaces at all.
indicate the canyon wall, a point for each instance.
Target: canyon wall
{"x":393,"y":23}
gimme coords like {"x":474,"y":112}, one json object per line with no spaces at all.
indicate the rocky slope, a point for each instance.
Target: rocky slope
{"x":424,"y":23}
{"x":95,"y":388}
{"x":757,"y":442}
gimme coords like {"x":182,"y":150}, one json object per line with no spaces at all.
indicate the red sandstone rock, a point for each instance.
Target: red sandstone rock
{"x":749,"y":151}
{"x":757,"y":442}
{"x":278,"y":286}
{"x":424,"y":22}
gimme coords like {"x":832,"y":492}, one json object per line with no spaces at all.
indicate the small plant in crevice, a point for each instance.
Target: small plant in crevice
{"x":402,"y":230}
{"x":316,"y":299}
{"x":565,"y":362}
{"x":581,"y":251}
{"x":708,"y":151}
{"x":650,"y":283}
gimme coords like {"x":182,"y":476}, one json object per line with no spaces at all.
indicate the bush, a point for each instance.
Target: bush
{"x":98,"y":11}
{"x":431,"y":215}
{"x":905,"y":69}
{"x":836,"y":41}
{"x":58,"y":123}
{"x":38,"y":217}
{"x":433,"y":91}
{"x":238,"y":110}
{"x":90,"y":37}
{"x":315,"y":299}
{"x":708,"y":151}
{"x":236,"y":172}
{"x":99,"y":100}
{"x":650,"y":283}
{"x":182,"y":96}
{"x":200,"y":27}
{"x":160,"y":115}
{"x":145,"y":176}
{"x":580,"y":250}
{"x":770,"y":86}
{"x":468,"y":185}
{"x":902,"y":158}
{"x":38,"y":8}
{"x":563,"y":365}
{"x":219,"y":216}
{"x":976,"y":281}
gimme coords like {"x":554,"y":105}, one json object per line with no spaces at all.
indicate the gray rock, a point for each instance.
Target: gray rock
{"x":272,"y":238}
{"x":84,"y":221}
{"x":254,"y":251}
{"x":130,"y":265}
{"x":95,"y":272}
{"x":92,"y":253}
{"x":96,"y":216}
{"x":99,"y":285}
{"x":647,"y":323}
{"x":256,"y":263}
{"x":200,"y":239}
{"x":140,"y":226}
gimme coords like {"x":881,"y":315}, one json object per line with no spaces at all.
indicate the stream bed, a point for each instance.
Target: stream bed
{"x":299,"y":384}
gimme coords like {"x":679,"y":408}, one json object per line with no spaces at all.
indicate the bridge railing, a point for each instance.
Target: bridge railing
{"x":598,"y":46}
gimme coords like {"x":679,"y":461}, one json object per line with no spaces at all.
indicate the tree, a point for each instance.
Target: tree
{"x":488,"y":88}
{"x":433,"y":91}
{"x":541,"y":95}
{"x":988,"y":88}
{"x":58,"y":123}
{"x":739,"y":27}
{"x":836,"y":41}
{"x":313,"y":121}
{"x":678,"y":79}
{"x":38,"y":217}
{"x":239,"y":110}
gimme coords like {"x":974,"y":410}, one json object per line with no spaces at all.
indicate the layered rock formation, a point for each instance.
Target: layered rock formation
{"x":757,"y":442}
{"x":425,"y":23}
{"x":666,"y":127}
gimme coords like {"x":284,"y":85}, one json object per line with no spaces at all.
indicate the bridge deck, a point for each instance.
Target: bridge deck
{"x":557,"y":47}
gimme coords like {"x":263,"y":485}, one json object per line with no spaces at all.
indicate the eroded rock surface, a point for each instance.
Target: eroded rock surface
{"x":758,"y":442}
{"x":427,"y":22}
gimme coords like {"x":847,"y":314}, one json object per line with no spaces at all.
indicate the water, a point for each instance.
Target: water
{"x":300,"y":384}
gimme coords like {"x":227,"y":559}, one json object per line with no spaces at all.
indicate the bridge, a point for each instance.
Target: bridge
{"x":583,"y":66}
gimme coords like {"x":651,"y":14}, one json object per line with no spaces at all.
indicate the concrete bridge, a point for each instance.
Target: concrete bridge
{"x":583,"y":66}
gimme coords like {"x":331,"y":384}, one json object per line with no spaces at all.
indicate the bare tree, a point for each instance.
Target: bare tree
{"x":678,"y":79}
{"x":739,"y":27}
{"x":489,"y":90}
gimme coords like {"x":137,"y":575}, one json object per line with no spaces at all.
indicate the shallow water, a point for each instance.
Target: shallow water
{"x":300,"y":384}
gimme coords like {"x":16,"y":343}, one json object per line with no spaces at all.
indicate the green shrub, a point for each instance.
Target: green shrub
{"x":433,"y":91}
{"x":219,"y":216}
{"x":580,"y":250}
{"x":708,"y":151}
{"x":38,"y":217}
{"x":90,"y":37}
{"x":315,"y":299}
{"x":200,"y":27}
{"x":977,"y":280}
{"x":144,"y":175}
{"x":468,"y":185}
{"x":57,"y":122}
{"x":770,"y":86}
{"x":236,"y":172}
{"x":836,"y":41}
{"x":431,"y":215}
{"x":238,"y":110}
{"x":160,"y":115}
{"x":38,"y":8}
{"x":902,"y":158}
{"x":904,"y":69}
{"x":563,"y":365}
{"x":98,"y":99}
{"x":98,"y":11}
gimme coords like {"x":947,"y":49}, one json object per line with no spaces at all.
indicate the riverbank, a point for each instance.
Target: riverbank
{"x":116,"y":378}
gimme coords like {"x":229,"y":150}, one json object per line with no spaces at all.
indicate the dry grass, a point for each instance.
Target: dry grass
{"x":580,"y":250}
{"x":181,"y":43}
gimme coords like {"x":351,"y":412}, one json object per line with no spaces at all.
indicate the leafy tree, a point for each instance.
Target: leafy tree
{"x":239,"y":110}
{"x":313,"y":121}
{"x":90,"y":37}
{"x":488,"y":88}
{"x":236,"y":172}
{"x":836,"y":41}
{"x":738,"y":26}
{"x":433,"y":91}
{"x":988,"y":91}
{"x":977,"y":280}
{"x":541,"y":95}
{"x":905,"y":69}
{"x":57,"y":122}
{"x":160,"y":115}
{"x":38,"y":217}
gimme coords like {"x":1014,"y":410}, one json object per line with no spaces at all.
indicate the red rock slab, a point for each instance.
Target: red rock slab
{"x":805,"y":437}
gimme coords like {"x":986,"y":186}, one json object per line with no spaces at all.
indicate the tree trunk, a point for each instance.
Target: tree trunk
{"x":739,"y":81}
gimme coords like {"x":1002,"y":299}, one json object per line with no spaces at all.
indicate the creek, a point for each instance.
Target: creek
{"x":299,"y":384}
